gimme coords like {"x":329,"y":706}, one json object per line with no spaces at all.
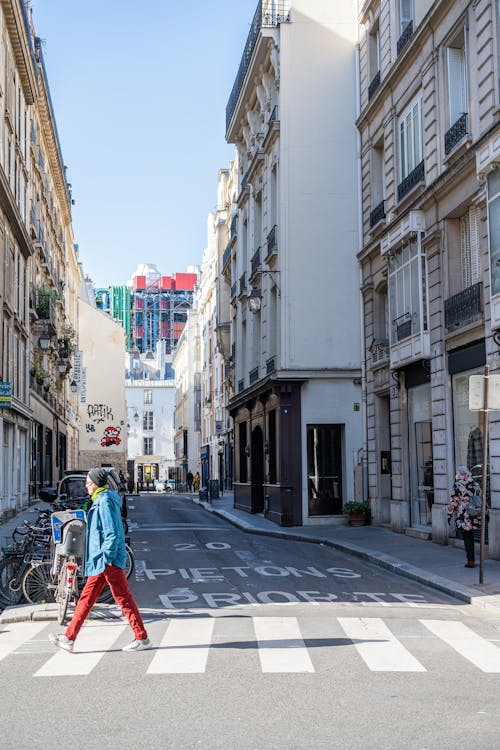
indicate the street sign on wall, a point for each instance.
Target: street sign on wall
{"x":5,"y":395}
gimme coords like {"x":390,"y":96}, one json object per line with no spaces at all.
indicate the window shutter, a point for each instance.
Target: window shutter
{"x":475,"y":260}
{"x":465,"y":251}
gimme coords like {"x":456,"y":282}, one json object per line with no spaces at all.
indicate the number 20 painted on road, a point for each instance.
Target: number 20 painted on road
{"x":184,"y":546}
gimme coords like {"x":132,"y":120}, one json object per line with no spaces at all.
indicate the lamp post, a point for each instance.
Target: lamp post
{"x":254,"y":299}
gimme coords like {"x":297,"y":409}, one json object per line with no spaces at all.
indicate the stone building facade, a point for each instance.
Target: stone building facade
{"x":428,"y":124}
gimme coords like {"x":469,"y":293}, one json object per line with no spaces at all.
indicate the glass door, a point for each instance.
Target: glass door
{"x":420,"y":454}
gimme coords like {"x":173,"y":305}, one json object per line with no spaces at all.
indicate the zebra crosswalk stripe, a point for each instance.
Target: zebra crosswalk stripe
{"x":13,"y":636}
{"x":93,"y":642}
{"x":378,"y":647}
{"x":184,"y":647}
{"x":481,"y":653}
{"x":281,"y":647}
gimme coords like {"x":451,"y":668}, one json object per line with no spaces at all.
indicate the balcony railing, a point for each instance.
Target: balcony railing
{"x":233,"y":291}
{"x":269,"y":13}
{"x":405,"y":37}
{"x":253,"y":375}
{"x":374,"y":85}
{"x":255,"y":262}
{"x":270,"y":365}
{"x":455,"y":134}
{"x":272,"y":240}
{"x":377,"y":214}
{"x":464,"y":307}
{"x":243,"y":283}
{"x":411,"y":180}
{"x":402,"y":327}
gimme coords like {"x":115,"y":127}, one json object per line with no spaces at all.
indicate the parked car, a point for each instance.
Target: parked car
{"x":167,"y":486}
{"x":71,"y":489}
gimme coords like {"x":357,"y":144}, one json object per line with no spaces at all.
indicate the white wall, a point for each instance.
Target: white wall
{"x":102,"y":387}
{"x":318,"y":187}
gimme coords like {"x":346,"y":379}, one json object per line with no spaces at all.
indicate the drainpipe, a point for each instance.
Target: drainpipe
{"x":364,"y":451}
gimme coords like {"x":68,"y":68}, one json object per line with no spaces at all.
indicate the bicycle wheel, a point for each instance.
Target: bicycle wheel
{"x":62,"y":594}
{"x":39,"y":585}
{"x":11,"y":590}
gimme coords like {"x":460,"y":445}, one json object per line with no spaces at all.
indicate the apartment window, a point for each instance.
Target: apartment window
{"x":147,"y":421}
{"x":494,"y":228}
{"x":405,"y":14}
{"x":407,"y":292}
{"x":148,"y":446}
{"x":377,"y":184}
{"x":457,"y":92}
{"x":148,"y":396}
{"x":410,"y":139}
{"x":374,"y":59}
{"x":457,"y":79}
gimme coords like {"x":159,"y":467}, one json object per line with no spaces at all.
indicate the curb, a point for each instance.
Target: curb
{"x":48,"y":613}
{"x":393,"y":564}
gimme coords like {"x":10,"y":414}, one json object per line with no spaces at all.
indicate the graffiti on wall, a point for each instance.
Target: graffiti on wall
{"x":99,"y":415}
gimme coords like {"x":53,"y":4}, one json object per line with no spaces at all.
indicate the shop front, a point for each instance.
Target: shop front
{"x":420,"y":453}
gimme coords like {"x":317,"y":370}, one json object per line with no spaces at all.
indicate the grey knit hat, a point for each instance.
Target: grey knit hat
{"x":98,"y":476}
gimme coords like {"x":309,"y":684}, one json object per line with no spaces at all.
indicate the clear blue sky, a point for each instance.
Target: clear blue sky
{"x":139,"y":92}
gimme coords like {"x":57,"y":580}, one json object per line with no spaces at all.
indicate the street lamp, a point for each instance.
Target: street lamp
{"x":44,"y":341}
{"x":255,"y":297}
{"x":73,"y":386}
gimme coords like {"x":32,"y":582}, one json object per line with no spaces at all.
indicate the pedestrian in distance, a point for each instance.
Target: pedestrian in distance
{"x":465,"y":506}
{"x":196,"y":481}
{"x":189,"y":481}
{"x":105,"y":564}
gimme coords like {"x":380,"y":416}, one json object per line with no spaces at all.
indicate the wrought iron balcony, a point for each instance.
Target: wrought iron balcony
{"x":270,"y":365}
{"x":374,"y":85}
{"x":405,"y":37}
{"x":411,"y":180}
{"x":272,"y":240}
{"x":464,"y":307}
{"x":255,"y":262}
{"x":253,"y":375}
{"x":377,"y":214}
{"x":455,"y":134}
{"x":269,"y":13}
{"x":402,"y":327}
{"x":243,"y":283}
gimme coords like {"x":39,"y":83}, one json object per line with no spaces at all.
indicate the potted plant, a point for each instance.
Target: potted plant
{"x":358,"y":512}
{"x":68,"y":340}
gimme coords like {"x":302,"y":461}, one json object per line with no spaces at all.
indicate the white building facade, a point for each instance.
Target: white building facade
{"x":187,"y":409}
{"x":294,"y":276}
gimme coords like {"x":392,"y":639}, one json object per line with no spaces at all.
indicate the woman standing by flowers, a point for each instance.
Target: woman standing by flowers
{"x":465,"y":510}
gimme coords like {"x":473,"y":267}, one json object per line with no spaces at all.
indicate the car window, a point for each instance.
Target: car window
{"x":74,"y":488}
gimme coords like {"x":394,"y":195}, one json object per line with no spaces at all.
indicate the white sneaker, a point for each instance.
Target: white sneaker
{"x":61,"y":641}
{"x":138,"y":645}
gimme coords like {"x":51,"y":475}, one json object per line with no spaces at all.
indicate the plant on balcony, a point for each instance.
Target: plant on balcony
{"x":38,"y":371}
{"x":358,"y":512}
{"x":45,"y":300}
{"x":67,"y":340}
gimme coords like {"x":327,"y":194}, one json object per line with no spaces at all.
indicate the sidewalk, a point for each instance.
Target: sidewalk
{"x":440,"y":567}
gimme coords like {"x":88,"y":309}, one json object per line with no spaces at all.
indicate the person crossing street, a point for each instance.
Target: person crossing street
{"x":105,"y":564}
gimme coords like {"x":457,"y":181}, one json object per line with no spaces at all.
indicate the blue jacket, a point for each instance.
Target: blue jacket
{"x":105,"y":535}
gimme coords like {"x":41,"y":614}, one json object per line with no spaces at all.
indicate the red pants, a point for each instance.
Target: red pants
{"x":117,"y":581}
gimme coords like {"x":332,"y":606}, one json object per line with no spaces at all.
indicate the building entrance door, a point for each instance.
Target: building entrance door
{"x":420,"y":454}
{"x":257,"y":470}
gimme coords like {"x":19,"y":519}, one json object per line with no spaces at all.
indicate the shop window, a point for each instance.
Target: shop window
{"x":243,"y":449}
{"x":324,"y":469}
{"x":272,"y":446}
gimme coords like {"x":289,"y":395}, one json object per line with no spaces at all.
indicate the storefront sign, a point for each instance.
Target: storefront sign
{"x":5,"y":395}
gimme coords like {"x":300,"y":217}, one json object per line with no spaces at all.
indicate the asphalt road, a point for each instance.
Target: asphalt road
{"x":258,"y":643}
